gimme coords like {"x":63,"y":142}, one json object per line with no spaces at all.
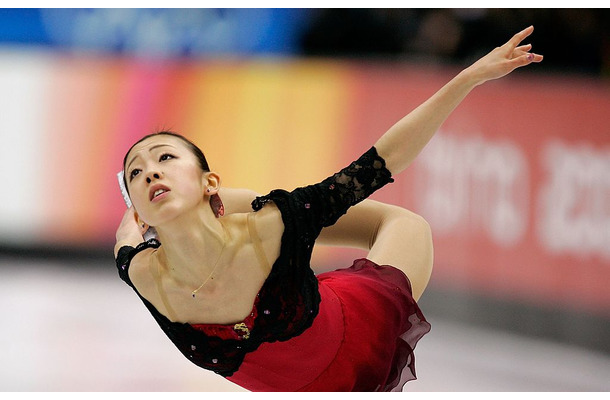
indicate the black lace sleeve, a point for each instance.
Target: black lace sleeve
{"x":328,"y":200}
{"x":126,"y":254}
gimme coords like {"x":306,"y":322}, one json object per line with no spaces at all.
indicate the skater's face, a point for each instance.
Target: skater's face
{"x":164,"y":178}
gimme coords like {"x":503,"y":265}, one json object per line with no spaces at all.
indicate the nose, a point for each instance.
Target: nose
{"x":154,"y":175}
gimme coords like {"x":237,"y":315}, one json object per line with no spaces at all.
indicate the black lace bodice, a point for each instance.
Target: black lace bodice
{"x":288,"y":301}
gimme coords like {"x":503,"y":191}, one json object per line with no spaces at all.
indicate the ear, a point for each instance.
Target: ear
{"x":141,"y":224}
{"x":212,"y":187}
{"x":211,"y":183}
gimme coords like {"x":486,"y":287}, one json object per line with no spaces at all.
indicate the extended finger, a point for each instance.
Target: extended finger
{"x":519,"y":37}
{"x":525,"y":59}
{"x":521,"y":50}
{"x":524,"y":48}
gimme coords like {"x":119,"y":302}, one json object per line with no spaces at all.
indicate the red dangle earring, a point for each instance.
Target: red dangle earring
{"x":217,"y":207}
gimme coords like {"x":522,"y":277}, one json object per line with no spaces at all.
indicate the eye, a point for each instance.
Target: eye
{"x":166,"y":156}
{"x":135,"y":172}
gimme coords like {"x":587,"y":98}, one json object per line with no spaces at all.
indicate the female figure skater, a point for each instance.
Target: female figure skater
{"x":236,"y":293}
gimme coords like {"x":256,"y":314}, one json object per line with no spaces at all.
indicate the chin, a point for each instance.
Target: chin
{"x":172,"y":212}
{"x":162,"y":216}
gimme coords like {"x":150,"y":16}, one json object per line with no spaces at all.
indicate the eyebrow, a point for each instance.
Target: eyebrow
{"x":149,"y":150}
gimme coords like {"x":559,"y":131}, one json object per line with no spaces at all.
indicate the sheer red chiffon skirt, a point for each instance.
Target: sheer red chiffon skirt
{"x":362,"y":340}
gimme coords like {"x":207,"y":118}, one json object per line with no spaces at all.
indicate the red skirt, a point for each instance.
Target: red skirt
{"x":362,"y":339}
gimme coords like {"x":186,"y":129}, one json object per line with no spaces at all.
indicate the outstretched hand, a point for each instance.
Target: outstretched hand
{"x":503,"y":60}
{"x":405,"y":140}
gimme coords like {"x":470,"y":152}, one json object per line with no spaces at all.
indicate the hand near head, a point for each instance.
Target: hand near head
{"x":129,"y":232}
{"x":503,"y":60}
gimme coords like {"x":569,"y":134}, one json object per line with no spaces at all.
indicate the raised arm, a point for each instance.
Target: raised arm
{"x":237,"y":200}
{"x":406,"y":139}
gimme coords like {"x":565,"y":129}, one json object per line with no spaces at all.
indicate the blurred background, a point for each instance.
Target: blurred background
{"x":516,"y":185}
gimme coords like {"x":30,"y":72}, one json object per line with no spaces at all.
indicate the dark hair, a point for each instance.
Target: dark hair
{"x":203,"y":163}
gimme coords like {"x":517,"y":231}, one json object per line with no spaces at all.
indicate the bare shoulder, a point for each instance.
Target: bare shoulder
{"x":268,"y":222}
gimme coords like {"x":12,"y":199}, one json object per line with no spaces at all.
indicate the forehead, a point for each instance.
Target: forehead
{"x":160,"y":141}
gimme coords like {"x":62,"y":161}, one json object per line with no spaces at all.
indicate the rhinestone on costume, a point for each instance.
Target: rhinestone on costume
{"x":307,"y":205}
{"x":266,"y":312}
{"x":193,"y":347}
{"x":123,"y":267}
{"x":242,"y":330}
{"x":214,"y":360}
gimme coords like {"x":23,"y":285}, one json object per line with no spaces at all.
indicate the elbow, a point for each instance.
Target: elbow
{"x":402,"y":221}
{"x":404,"y":240}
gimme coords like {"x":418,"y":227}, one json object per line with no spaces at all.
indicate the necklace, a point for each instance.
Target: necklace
{"x":194,"y":292}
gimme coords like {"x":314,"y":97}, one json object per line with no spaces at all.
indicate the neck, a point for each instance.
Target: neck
{"x":191,"y":247}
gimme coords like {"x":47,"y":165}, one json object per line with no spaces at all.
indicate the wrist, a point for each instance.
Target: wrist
{"x":469,"y":78}
{"x":122,"y":243}
{"x":133,"y":242}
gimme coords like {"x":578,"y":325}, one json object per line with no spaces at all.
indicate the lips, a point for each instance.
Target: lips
{"x":157,"y":190}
